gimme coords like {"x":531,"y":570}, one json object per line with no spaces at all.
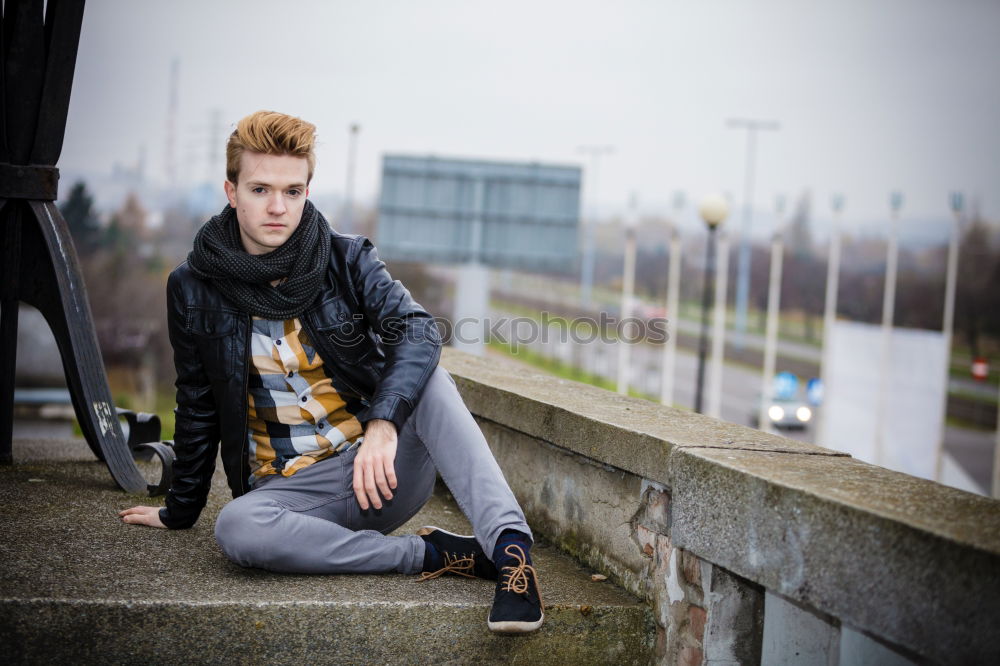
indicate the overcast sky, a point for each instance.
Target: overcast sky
{"x":871,"y":95}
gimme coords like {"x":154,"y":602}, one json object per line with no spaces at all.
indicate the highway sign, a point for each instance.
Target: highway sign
{"x":502,"y":214}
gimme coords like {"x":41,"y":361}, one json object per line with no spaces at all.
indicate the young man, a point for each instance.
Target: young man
{"x":319,"y":374}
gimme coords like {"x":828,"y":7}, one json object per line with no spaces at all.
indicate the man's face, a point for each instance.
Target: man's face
{"x":268,"y":199}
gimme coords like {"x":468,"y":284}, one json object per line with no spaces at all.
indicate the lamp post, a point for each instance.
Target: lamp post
{"x":773,"y":308}
{"x":830,"y":308}
{"x":628,"y":297}
{"x":743,"y":268}
{"x":590,"y":223}
{"x":714,"y":384}
{"x":888,"y":312}
{"x":947,"y":325}
{"x":673,"y":301}
{"x":713,"y":210}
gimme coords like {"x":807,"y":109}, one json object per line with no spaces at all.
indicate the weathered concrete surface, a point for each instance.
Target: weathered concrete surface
{"x":907,"y":560}
{"x":117,"y":593}
{"x":586,"y":508}
{"x":911,"y":561}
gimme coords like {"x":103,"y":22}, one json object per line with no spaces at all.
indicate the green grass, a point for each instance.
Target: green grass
{"x":967,"y":425}
{"x":960,"y":370}
{"x":557,"y":368}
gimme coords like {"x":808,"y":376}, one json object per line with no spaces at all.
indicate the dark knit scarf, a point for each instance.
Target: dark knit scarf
{"x":245,"y":279}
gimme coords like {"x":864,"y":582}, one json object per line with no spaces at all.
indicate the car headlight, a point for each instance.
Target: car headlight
{"x":804,"y":414}
{"x":775,"y":413}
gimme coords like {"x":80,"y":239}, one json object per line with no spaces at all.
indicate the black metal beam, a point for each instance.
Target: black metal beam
{"x":37,"y":59}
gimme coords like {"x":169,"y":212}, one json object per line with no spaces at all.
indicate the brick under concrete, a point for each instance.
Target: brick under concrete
{"x":81,"y":586}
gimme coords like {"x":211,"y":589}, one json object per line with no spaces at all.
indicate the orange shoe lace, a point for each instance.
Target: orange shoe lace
{"x":517,"y":576}
{"x":460,"y":566}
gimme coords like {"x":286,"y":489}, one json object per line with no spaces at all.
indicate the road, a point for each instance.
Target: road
{"x":969,"y":453}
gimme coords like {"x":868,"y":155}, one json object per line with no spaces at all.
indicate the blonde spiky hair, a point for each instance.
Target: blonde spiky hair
{"x":271,"y":133}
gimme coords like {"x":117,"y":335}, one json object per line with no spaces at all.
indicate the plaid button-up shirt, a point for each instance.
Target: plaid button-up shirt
{"x":296,"y":417}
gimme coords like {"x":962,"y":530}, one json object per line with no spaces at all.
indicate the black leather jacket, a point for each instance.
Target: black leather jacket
{"x":372,"y":336}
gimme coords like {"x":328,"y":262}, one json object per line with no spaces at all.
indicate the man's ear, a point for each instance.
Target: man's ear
{"x":230,"y":193}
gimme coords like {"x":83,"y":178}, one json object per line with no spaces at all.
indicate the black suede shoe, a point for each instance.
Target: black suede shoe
{"x":517,"y":603}
{"x":461,"y":555}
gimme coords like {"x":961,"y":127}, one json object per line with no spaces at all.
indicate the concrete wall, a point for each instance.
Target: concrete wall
{"x":749,"y":546}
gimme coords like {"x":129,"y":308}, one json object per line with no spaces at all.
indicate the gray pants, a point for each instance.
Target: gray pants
{"x":311,"y":522}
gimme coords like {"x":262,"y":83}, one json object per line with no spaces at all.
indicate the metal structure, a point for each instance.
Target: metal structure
{"x":743,"y":267}
{"x":500,"y":214}
{"x":37,"y":58}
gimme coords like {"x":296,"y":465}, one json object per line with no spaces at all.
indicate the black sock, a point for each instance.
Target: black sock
{"x":511,"y":538}
{"x":432,"y":558}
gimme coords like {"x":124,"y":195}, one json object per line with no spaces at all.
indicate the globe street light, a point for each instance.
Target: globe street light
{"x":713,"y":211}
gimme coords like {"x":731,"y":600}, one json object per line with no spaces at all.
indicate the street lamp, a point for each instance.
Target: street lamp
{"x":743,"y":268}
{"x":713,"y":211}
{"x":888,"y":315}
{"x":673,"y":305}
{"x":947,"y":325}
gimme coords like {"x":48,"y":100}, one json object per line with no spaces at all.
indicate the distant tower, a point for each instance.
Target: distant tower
{"x":347,"y":225}
{"x":170,"y":154}
{"x":140,"y":167}
{"x":214,"y":144}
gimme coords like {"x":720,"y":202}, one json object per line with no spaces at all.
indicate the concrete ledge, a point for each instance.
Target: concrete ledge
{"x":907,"y":560}
{"x":114,"y":593}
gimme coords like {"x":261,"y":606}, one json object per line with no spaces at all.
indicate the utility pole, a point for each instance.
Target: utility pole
{"x":628,"y":298}
{"x":170,"y":154}
{"x":743,"y":266}
{"x":589,"y":226}
{"x":214,"y":145}
{"x":352,"y":149}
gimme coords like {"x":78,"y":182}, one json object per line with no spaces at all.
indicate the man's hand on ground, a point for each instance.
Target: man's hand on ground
{"x":374,"y":472}
{"x":142,"y":515}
